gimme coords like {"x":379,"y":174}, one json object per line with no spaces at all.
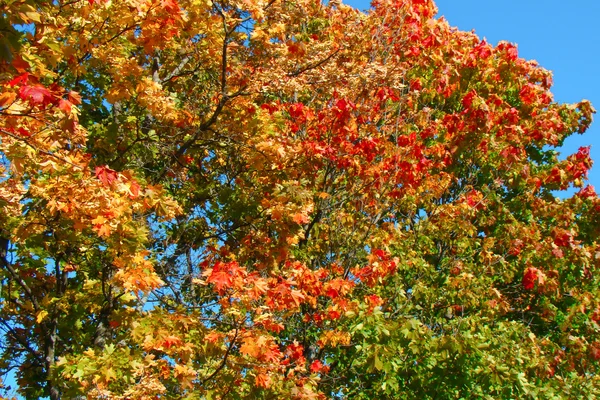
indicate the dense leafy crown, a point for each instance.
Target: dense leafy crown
{"x":287,"y":199}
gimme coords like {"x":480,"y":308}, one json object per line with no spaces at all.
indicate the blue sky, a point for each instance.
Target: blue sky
{"x":563,"y":36}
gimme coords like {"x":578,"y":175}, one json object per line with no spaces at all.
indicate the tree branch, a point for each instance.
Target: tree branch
{"x":224,"y":361}
{"x":5,"y":264}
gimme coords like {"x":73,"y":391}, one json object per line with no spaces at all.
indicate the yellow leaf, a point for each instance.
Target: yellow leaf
{"x":29,"y":13}
{"x":41,"y":315}
{"x":7,"y":98}
{"x":109,"y":374}
{"x":33,"y":16}
{"x":99,"y":220}
{"x":104,"y":230}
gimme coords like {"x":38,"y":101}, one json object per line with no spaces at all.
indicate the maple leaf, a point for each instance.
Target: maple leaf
{"x":65,"y":105}
{"x":213,"y":337}
{"x":220,"y":279}
{"x":295,"y":350}
{"x":260,"y":286}
{"x":300,"y":218}
{"x":99,"y":220}
{"x":595,"y":351}
{"x":106,"y":175}
{"x":74,"y":98}
{"x":316,"y":366}
{"x":19,"y":80}
{"x":170,"y":6}
{"x":220,"y":276}
{"x":297,"y":296}
{"x":588,"y":192}
{"x":171,"y":341}
{"x":263,"y":381}
{"x":249,"y":347}
{"x":7,"y":98}
{"x":185,"y":375}
{"x":483,"y":50}
{"x":133,"y":188}
{"x":558,"y":253}
{"x":374,"y":301}
{"x":36,"y":94}
{"x":528,"y":94}
{"x":530,"y":278}
{"x":103,"y":230}
{"x":563,"y":238}
{"x":468,"y":99}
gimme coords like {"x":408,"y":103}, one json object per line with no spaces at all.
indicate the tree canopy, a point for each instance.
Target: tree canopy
{"x":287,"y":199}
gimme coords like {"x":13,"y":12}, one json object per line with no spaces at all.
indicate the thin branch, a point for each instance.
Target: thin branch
{"x":175,"y":73}
{"x":22,"y":342}
{"x":39,"y":150}
{"x":314,"y":65}
{"x":222,"y":365}
{"x":21,"y":282}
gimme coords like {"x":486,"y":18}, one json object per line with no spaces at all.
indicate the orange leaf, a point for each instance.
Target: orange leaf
{"x":106,"y":175}
{"x":300,"y":218}
{"x":263,"y":380}
{"x":103,"y":230}
{"x":74,"y":98}
{"x":7,"y":98}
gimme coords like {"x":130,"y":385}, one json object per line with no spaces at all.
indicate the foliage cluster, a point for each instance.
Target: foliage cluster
{"x":287,"y":199}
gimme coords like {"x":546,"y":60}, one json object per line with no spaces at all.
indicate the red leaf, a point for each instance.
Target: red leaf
{"x":221,"y":279}
{"x":36,"y":94}
{"x":106,"y":175}
{"x":588,"y":192}
{"x":528,"y":94}
{"x":416,"y":85}
{"x":511,"y":50}
{"x":468,"y":99}
{"x":297,"y":111}
{"x":23,"y":132}
{"x":563,"y":239}
{"x":65,"y":105}
{"x":316,"y":366}
{"x":530,"y":278}
{"x":295,"y":350}
{"x":19,"y":80}
{"x":223,"y":273}
{"x":374,"y":301}
{"x":483,"y":50}
{"x":379,"y":253}
{"x":171,"y":341}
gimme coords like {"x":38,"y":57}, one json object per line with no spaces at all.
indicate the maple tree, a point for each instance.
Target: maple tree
{"x":287,"y":199}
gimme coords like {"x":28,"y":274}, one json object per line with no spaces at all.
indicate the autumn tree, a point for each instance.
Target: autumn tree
{"x":287,"y":199}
